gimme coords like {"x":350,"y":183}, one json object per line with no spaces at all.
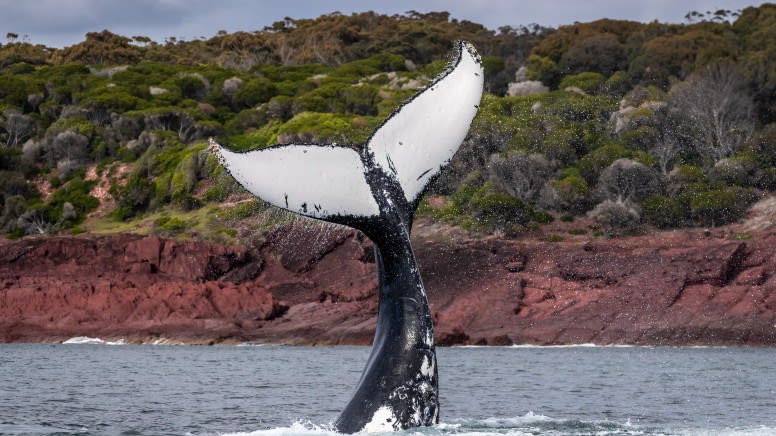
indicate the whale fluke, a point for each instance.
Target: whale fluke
{"x":377,"y":190}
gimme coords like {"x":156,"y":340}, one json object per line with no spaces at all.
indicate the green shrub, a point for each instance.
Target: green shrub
{"x":13,"y":183}
{"x":183,"y":181}
{"x":570,"y":194}
{"x":246,"y":120}
{"x":317,"y":127}
{"x":169,"y":226}
{"x":255,"y":91}
{"x":587,"y":81}
{"x":360,"y":100}
{"x":325,"y":98}
{"x":592,"y":164}
{"x":735,"y":171}
{"x":543,"y":69}
{"x":492,"y":64}
{"x":562,"y":144}
{"x":134,"y":197}
{"x":113,"y":100}
{"x":642,"y":137}
{"x":245,"y":209}
{"x":223,"y":183}
{"x":617,"y":84}
{"x":435,"y":68}
{"x":765,"y":179}
{"x":366,"y":67}
{"x":663,"y":212}
{"x":192,"y":86}
{"x":499,"y":210}
{"x":686,"y":175}
{"x":543,"y":217}
{"x":601,"y":52}
{"x":76,"y":193}
{"x":280,"y":107}
{"x":265,"y":136}
{"x":716,"y":207}
{"x":615,"y":216}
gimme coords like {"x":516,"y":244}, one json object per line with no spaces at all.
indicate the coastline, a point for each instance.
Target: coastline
{"x":138,"y":341}
{"x":679,"y":288}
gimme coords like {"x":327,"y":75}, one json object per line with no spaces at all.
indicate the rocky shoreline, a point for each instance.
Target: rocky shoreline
{"x":306,"y":286}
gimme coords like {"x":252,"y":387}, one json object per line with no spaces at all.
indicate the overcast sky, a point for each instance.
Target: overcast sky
{"x":59,"y":23}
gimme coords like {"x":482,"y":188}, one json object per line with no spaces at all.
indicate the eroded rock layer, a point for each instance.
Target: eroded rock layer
{"x":302,"y":285}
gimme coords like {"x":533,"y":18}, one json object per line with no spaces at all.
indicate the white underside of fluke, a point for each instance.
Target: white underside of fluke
{"x":315,"y":181}
{"x":424,"y":134}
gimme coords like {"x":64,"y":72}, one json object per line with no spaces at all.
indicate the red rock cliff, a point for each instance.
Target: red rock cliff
{"x":305,"y":286}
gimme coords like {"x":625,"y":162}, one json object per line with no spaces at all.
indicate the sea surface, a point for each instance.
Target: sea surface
{"x":96,"y":388}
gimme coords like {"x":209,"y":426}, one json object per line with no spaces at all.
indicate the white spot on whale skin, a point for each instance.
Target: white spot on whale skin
{"x":382,"y":421}
{"x":427,"y":368}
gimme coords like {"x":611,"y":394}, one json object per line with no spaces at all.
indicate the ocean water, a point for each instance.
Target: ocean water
{"x":88,"y":387}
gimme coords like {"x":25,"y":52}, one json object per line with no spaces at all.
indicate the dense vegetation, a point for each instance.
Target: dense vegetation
{"x":627,"y":123}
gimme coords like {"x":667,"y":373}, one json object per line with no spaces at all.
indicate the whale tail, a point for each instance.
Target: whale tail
{"x":377,"y":190}
{"x":405,"y":153}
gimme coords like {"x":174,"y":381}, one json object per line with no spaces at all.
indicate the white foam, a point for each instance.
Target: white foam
{"x":587,"y":345}
{"x":297,"y":428}
{"x":753,"y":431}
{"x":92,"y":341}
{"x":528,"y":418}
{"x":529,"y":424}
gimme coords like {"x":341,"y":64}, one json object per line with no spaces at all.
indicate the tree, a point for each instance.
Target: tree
{"x":667,"y":149}
{"x":15,"y":128}
{"x":100,"y":48}
{"x":258,"y":90}
{"x":68,"y":150}
{"x":601,"y":53}
{"x":615,"y":214}
{"x":679,"y":54}
{"x":519,"y":174}
{"x":627,"y":181}
{"x":715,"y":110}
{"x":570,"y":194}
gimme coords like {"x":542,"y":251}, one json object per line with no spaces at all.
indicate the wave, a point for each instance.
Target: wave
{"x":587,"y":345}
{"x":591,"y":345}
{"x":529,"y":424}
{"x":165,"y":341}
{"x":753,"y":431}
{"x":80,"y":340}
{"x":87,"y":340}
{"x":301,"y":428}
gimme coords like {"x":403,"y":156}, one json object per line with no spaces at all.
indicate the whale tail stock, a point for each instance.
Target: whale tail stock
{"x":377,"y":191}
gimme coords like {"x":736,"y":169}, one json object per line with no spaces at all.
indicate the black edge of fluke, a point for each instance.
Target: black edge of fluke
{"x":398,"y":388}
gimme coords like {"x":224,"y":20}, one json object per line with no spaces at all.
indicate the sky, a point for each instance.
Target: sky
{"x":60,"y":23}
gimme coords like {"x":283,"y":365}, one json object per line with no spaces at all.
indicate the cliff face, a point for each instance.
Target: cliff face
{"x":306,"y":286}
